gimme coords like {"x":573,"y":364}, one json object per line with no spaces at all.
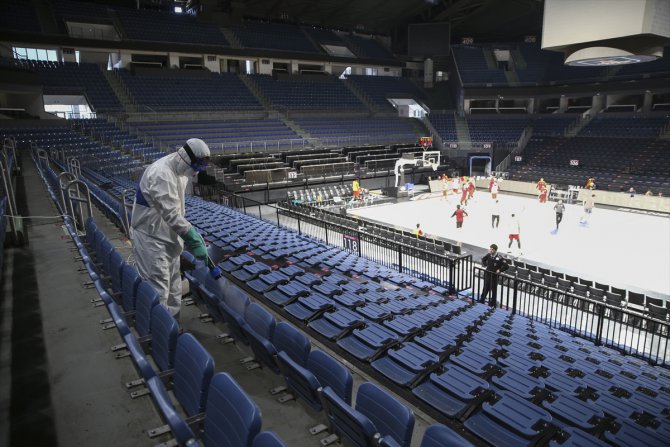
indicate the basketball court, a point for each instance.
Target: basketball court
{"x":625,"y":249}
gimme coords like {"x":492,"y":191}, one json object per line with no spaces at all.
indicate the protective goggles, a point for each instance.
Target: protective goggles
{"x":197,"y":164}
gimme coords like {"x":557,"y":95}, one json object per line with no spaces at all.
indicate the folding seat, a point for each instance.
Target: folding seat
{"x":306,"y":380}
{"x":442,"y":340}
{"x":521,"y":384}
{"x":251,"y":271}
{"x":376,"y":415}
{"x":511,"y":420}
{"x":130,"y":280}
{"x":268,"y":439}
{"x":190,"y":381}
{"x":407,"y":365}
{"x":147,"y":298}
{"x":472,"y":360}
{"x":349,"y":298}
{"x":453,"y":392}
{"x":236,"y":262}
{"x":232,"y":419}
{"x":628,"y":432}
{"x":310,"y":307}
{"x":369,"y":342}
{"x":438,"y":435}
{"x":164,"y":333}
{"x":335,"y":325}
{"x":259,"y":329}
{"x":232,"y":307}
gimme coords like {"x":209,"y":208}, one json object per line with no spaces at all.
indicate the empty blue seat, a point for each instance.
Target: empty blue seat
{"x":259,"y":329}
{"x":453,"y":391}
{"x":521,"y":384}
{"x":335,"y":325}
{"x":130,"y":279}
{"x":164,"y":333}
{"x":369,"y":342}
{"x":407,"y":365}
{"x":319,"y":371}
{"x":147,"y":298}
{"x":268,"y":439}
{"x":193,"y":371}
{"x":291,"y":341}
{"x":232,"y":419}
{"x":309,"y":307}
{"x":179,"y":428}
{"x":392,"y":418}
{"x":232,"y":308}
{"x":377,"y":415}
{"x":438,"y":435}
{"x":631,"y":434}
{"x":511,"y":421}
{"x":576,"y":412}
{"x":577,"y":438}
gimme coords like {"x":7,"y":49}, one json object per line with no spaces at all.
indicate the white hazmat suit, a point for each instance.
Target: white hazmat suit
{"x":158,"y":226}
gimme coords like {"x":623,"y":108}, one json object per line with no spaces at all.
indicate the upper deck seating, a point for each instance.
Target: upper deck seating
{"x":362,"y":129}
{"x":197,"y":91}
{"x":17,"y":15}
{"x":71,"y":78}
{"x":307,"y":93}
{"x":379,"y":88}
{"x":274,"y":36}
{"x":473,"y":68}
{"x":369,"y":48}
{"x":161,"y":26}
{"x":220,"y":134}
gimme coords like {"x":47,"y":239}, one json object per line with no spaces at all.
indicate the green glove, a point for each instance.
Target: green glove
{"x":195,"y":244}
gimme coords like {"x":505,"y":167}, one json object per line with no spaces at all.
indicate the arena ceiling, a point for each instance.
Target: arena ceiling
{"x":487,"y":20}
{"x":468,"y":17}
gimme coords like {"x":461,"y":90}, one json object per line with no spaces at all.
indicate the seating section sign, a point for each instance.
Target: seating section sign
{"x":351,"y":243}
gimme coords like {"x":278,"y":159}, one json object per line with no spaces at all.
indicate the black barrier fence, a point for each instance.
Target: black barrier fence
{"x":450,"y":271}
{"x":617,"y":327}
{"x":628,"y":331}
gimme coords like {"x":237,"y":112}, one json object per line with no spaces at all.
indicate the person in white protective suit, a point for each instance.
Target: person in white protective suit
{"x":158,"y":226}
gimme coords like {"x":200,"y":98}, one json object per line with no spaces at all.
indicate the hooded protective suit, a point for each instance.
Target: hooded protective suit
{"x":158,"y":224}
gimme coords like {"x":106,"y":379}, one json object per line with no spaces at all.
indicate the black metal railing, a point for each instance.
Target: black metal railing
{"x":617,"y":327}
{"x":628,"y":331}
{"x":448,"y":270}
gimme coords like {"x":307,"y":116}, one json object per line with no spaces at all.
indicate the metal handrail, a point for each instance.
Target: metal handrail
{"x":74,"y":166}
{"x":9,"y":191}
{"x":127,"y":208}
{"x":64,"y":178}
{"x":75,"y":190}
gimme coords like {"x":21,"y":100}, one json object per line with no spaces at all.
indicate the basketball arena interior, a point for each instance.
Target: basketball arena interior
{"x":364,"y":156}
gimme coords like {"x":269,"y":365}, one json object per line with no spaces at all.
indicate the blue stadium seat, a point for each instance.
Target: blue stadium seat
{"x":147,"y":298}
{"x":259,"y":329}
{"x":453,"y":391}
{"x":577,"y":438}
{"x":407,"y":365}
{"x":232,"y":307}
{"x":369,"y":342}
{"x":193,"y":371}
{"x":511,"y":421}
{"x":438,"y":435}
{"x":268,"y":439}
{"x":164,"y":333}
{"x":232,"y":419}
{"x":392,"y":418}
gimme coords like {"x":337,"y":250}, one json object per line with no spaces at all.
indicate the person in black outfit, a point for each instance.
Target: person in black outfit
{"x":494,"y":264}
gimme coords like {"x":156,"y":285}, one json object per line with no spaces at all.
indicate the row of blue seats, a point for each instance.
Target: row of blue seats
{"x":405,"y":366}
{"x":182,"y":364}
{"x":221,"y":412}
{"x":186,"y":362}
{"x":610,"y":405}
{"x":311,"y":374}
